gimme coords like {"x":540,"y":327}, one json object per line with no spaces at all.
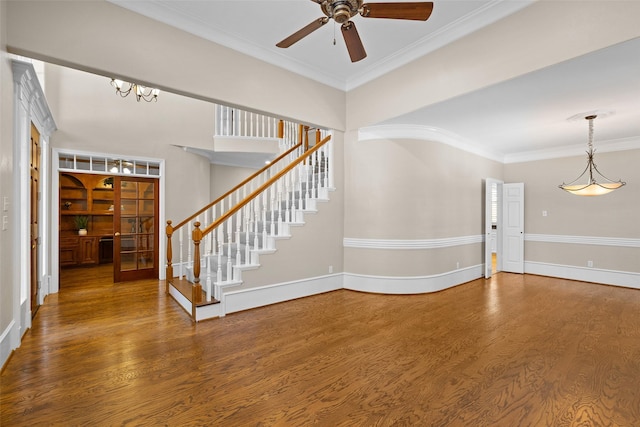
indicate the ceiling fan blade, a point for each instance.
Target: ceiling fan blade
{"x":416,"y":11}
{"x":353,"y":42}
{"x":300,"y":34}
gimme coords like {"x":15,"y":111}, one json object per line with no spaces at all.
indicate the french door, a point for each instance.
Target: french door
{"x":136,"y":228}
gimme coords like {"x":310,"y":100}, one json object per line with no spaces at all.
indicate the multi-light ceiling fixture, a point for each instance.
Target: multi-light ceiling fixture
{"x":597,"y":184}
{"x":142,"y":92}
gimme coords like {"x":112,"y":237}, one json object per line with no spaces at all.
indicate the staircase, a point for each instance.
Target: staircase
{"x":228,"y":236}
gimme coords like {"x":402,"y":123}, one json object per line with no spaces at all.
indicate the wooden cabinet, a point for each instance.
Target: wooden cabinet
{"x":88,"y":253}
{"x":79,"y":250}
{"x":69,"y":246}
{"x":84,"y":195}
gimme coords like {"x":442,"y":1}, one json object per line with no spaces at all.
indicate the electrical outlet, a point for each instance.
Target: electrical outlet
{"x":589,"y":263}
{"x":545,"y":213}
{"x":457,"y":264}
{"x":330,"y":269}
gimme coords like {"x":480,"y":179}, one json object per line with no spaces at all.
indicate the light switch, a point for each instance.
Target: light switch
{"x":544,"y":213}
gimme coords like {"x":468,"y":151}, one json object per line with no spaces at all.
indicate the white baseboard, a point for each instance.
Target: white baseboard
{"x":246,"y":299}
{"x":411,"y":285}
{"x":585,"y":274}
{"x":9,"y":336}
{"x":180,"y":299}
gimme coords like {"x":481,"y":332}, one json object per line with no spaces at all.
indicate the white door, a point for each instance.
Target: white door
{"x":513,"y":227}
{"x":488,"y":224}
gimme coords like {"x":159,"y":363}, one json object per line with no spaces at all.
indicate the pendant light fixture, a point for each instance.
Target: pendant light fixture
{"x":595,"y":183}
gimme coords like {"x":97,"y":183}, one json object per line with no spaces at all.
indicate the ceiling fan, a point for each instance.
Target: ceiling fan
{"x":343,"y":10}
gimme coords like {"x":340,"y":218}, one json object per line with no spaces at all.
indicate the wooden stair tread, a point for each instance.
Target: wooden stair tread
{"x":185,"y":288}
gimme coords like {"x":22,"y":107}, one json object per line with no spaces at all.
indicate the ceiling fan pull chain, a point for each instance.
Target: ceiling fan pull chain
{"x":334,"y":33}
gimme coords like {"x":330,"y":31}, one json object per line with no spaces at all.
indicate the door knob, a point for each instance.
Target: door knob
{"x":117,"y":233}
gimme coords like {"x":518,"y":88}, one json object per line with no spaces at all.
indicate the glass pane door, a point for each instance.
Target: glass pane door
{"x":136,"y":229}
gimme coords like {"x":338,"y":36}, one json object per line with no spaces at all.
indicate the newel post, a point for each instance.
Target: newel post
{"x":281,"y":129}
{"x":196,"y":290}
{"x":306,"y":138}
{"x":169,"y":270}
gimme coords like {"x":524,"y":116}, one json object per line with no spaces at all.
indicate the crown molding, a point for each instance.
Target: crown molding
{"x":426,"y":133}
{"x":431,"y":133}
{"x":479,"y":18}
{"x":622,"y":144}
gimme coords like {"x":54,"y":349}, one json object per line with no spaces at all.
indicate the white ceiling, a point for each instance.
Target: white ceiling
{"x":255,"y":26}
{"x":521,"y":119}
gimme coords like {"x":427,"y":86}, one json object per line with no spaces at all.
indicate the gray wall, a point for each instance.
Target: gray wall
{"x":7,"y":257}
{"x":91,"y":117}
{"x":412,"y":189}
{"x":615,"y":215}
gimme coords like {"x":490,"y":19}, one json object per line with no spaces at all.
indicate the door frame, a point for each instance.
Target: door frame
{"x":29,"y":108}
{"x":488,"y":270}
{"x":516,"y":266}
{"x":54,"y":206}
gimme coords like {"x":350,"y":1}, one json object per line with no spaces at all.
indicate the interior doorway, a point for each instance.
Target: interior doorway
{"x":492,"y":227}
{"x":503,"y":227}
{"x":108,"y":221}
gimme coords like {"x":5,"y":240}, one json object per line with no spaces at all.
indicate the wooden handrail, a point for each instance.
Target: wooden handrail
{"x":264,"y":186}
{"x":280,"y":157}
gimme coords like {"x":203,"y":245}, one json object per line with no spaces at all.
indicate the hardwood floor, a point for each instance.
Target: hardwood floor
{"x":516,"y":350}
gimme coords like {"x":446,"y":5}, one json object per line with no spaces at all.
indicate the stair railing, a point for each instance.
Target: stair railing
{"x":287,"y":133}
{"x":259,"y":218}
{"x":232,"y":121}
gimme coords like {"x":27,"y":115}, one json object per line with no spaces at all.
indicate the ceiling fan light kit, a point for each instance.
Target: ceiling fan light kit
{"x":341,"y":11}
{"x":593,"y":186}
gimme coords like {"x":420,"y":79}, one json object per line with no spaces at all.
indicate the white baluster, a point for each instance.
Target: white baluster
{"x":238,"y":225}
{"x":312,"y":164}
{"x":180,"y":253}
{"x":229,"y":224}
{"x":256,"y":216}
{"x":247,"y":230}
{"x":208,"y":281}
{"x":279,"y":200}
{"x":189,"y":245}
{"x":287,"y":196}
{"x":219,"y":270}
{"x":264,"y":223}
{"x":272,"y":230}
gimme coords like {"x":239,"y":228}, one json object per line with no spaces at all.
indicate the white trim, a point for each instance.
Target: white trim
{"x":435,"y":134}
{"x":9,"y":340}
{"x":623,"y":144}
{"x":180,"y":299}
{"x":486,"y":15}
{"x":350,"y":242}
{"x":473,"y":21}
{"x":411,"y":285}
{"x":583,"y":240}
{"x":426,"y":133}
{"x":245,"y":299}
{"x":625,"y":279}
